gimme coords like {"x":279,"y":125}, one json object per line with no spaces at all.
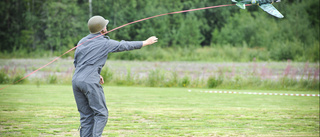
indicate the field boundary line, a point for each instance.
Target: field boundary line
{"x":255,"y":93}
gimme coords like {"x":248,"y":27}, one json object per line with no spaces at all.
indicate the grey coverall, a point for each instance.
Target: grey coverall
{"x":89,"y":59}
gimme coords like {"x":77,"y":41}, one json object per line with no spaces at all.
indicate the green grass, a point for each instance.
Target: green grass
{"x":50,"y":110}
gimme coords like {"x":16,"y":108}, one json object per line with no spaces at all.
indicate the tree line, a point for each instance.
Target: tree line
{"x":57,"y":25}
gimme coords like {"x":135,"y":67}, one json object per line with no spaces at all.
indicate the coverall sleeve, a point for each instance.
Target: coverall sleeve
{"x":125,"y":45}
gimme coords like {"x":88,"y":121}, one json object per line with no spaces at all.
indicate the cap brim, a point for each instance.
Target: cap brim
{"x":107,"y":22}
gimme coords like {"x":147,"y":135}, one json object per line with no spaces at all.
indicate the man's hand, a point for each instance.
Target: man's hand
{"x":101,"y":80}
{"x":150,"y":41}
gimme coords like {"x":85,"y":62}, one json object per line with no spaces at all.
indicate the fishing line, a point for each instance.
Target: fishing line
{"x":176,"y":12}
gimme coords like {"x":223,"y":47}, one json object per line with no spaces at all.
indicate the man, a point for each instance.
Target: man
{"x":89,"y":59}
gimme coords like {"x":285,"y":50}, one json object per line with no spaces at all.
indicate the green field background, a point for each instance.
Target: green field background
{"x":50,"y":110}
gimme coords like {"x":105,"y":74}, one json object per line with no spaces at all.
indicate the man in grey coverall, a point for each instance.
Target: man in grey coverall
{"x":89,"y":59}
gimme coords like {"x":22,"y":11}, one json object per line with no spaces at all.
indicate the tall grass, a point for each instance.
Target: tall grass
{"x":220,"y":53}
{"x":8,"y":75}
{"x":214,"y":53}
{"x":256,"y":77}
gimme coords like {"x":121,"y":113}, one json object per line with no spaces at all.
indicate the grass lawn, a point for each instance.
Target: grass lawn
{"x":50,"y":110}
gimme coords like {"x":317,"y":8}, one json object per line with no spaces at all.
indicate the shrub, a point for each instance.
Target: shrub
{"x":173,"y":80}
{"x":52,"y":79}
{"x":185,"y":81}
{"x":119,"y":80}
{"x":3,"y":77}
{"x":129,"y":78}
{"x":287,"y":50}
{"x":107,"y":74}
{"x":155,"y":78}
{"x":11,"y":76}
{"x":214,"y":81}
{"x":17,"y":77}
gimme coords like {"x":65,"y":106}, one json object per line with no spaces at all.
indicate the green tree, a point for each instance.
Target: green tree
{"x":62,"y":25}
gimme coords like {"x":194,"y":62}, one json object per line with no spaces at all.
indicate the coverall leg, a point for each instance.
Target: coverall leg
{"x":91,"y":105}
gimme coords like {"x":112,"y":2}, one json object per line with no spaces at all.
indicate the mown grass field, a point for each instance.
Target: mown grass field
{"x":50,"y":110}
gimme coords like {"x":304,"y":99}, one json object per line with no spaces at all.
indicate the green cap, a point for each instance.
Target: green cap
{"x":96,"y":24}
